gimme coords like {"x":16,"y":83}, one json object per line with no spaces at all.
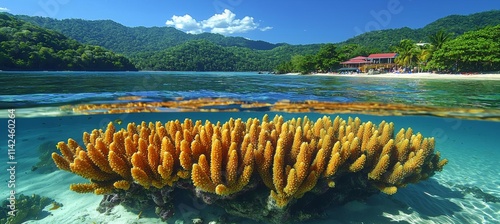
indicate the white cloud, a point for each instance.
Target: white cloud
{"x":266,"y":28}
{"x":224,"y":23}
{"x":186,"y":23}
{"x":4,"y":9}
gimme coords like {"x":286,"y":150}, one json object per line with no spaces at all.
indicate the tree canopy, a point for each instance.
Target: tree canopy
{"x":24,"y":46}
{"x":453,"y":25}
{"x":473,"y":51}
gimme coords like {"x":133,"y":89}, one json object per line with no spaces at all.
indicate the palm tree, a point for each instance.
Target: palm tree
{"x":438,"y":39}
{"x":424,"y":54}
{"x":407,"y":53}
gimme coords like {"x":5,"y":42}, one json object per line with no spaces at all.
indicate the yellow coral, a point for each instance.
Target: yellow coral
{"x":141,"y":177}
{"x":358,"y":164}
{"x":227,"y":157}
{"x":201,"y":179}
{"x":60,"y":162}
{"x":290,"y":157}
{"x":380,"y":168}
{"x":118,"y":165}
{"x":122,"y":184}
{"x":83,"y":188}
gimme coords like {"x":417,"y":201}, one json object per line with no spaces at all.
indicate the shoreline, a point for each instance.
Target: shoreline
{"x":423,"y":75}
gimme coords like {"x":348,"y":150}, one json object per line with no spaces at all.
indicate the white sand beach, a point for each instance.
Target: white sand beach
{"x":422,"y":75}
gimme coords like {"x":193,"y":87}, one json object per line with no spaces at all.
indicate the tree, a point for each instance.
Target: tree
{"x":327,"y":57}
{"x":471,"y":52}
{"x":438,"y":39}
{"x":284,"y":67}
{"x":304,"y":64}
{"x":408,"y":53}
{"x":423,"y":56}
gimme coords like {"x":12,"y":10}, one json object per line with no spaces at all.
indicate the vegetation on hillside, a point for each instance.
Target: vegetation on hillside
{"x":24,"y":46}
{"x":203,"y":55}
{"x":473,"y":51}
{"x":165,"y":48}
{"x":454,"y":25}
{"x":132,"y":40}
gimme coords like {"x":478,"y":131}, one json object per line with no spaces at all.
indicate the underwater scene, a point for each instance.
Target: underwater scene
{"x":244,"y":147}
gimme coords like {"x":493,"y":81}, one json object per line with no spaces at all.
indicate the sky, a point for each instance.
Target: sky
{"x":275,"y":21}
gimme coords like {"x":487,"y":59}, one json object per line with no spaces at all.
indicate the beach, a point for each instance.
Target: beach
{"x":422,"y":75}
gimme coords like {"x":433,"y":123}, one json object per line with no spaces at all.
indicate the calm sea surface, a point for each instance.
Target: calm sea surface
{"x":27,"y":89}
{"x":467,"y":191}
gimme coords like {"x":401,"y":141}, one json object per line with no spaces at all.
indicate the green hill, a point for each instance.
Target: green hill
{"x":204,"y":55}
{"x":24,"y":46}
{"x":130,"y":40}
{"x":454,"y":24}
{"x":149,"y":48}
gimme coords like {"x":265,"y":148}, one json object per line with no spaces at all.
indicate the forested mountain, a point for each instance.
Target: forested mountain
{"x":24,"y":46}
{"x":165,"y":48}
{"x":131,"y":40}
{"x":454,"y":24}
{"x":203,"y":55}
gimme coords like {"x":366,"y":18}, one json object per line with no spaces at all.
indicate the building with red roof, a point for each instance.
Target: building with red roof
{"x":373,"y":61}
{"x":383,"y":57}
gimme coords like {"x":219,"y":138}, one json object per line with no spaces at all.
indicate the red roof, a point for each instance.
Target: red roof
{"x":357,"y":60}
{"x":352,"y":61}
{"x":367,"y":60}
{"x":383,"y":55}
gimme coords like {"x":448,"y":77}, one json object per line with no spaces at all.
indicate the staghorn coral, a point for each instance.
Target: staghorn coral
{"x":289,"y":157}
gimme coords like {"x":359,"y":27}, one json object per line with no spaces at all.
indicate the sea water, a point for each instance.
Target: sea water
{"x":466,"y":191}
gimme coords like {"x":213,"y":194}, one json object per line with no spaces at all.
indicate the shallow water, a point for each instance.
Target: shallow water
{"x":461,"y":193}
{"x":53,"y":89}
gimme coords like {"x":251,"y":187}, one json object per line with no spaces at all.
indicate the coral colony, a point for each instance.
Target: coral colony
{"x":269,"y":170}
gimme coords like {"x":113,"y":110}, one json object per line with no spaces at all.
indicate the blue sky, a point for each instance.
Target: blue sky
{"x":295,"y":22}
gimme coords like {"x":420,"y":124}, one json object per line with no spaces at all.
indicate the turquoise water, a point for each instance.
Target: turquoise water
{"x":53,"y":89}
{"x":466,"y":191}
